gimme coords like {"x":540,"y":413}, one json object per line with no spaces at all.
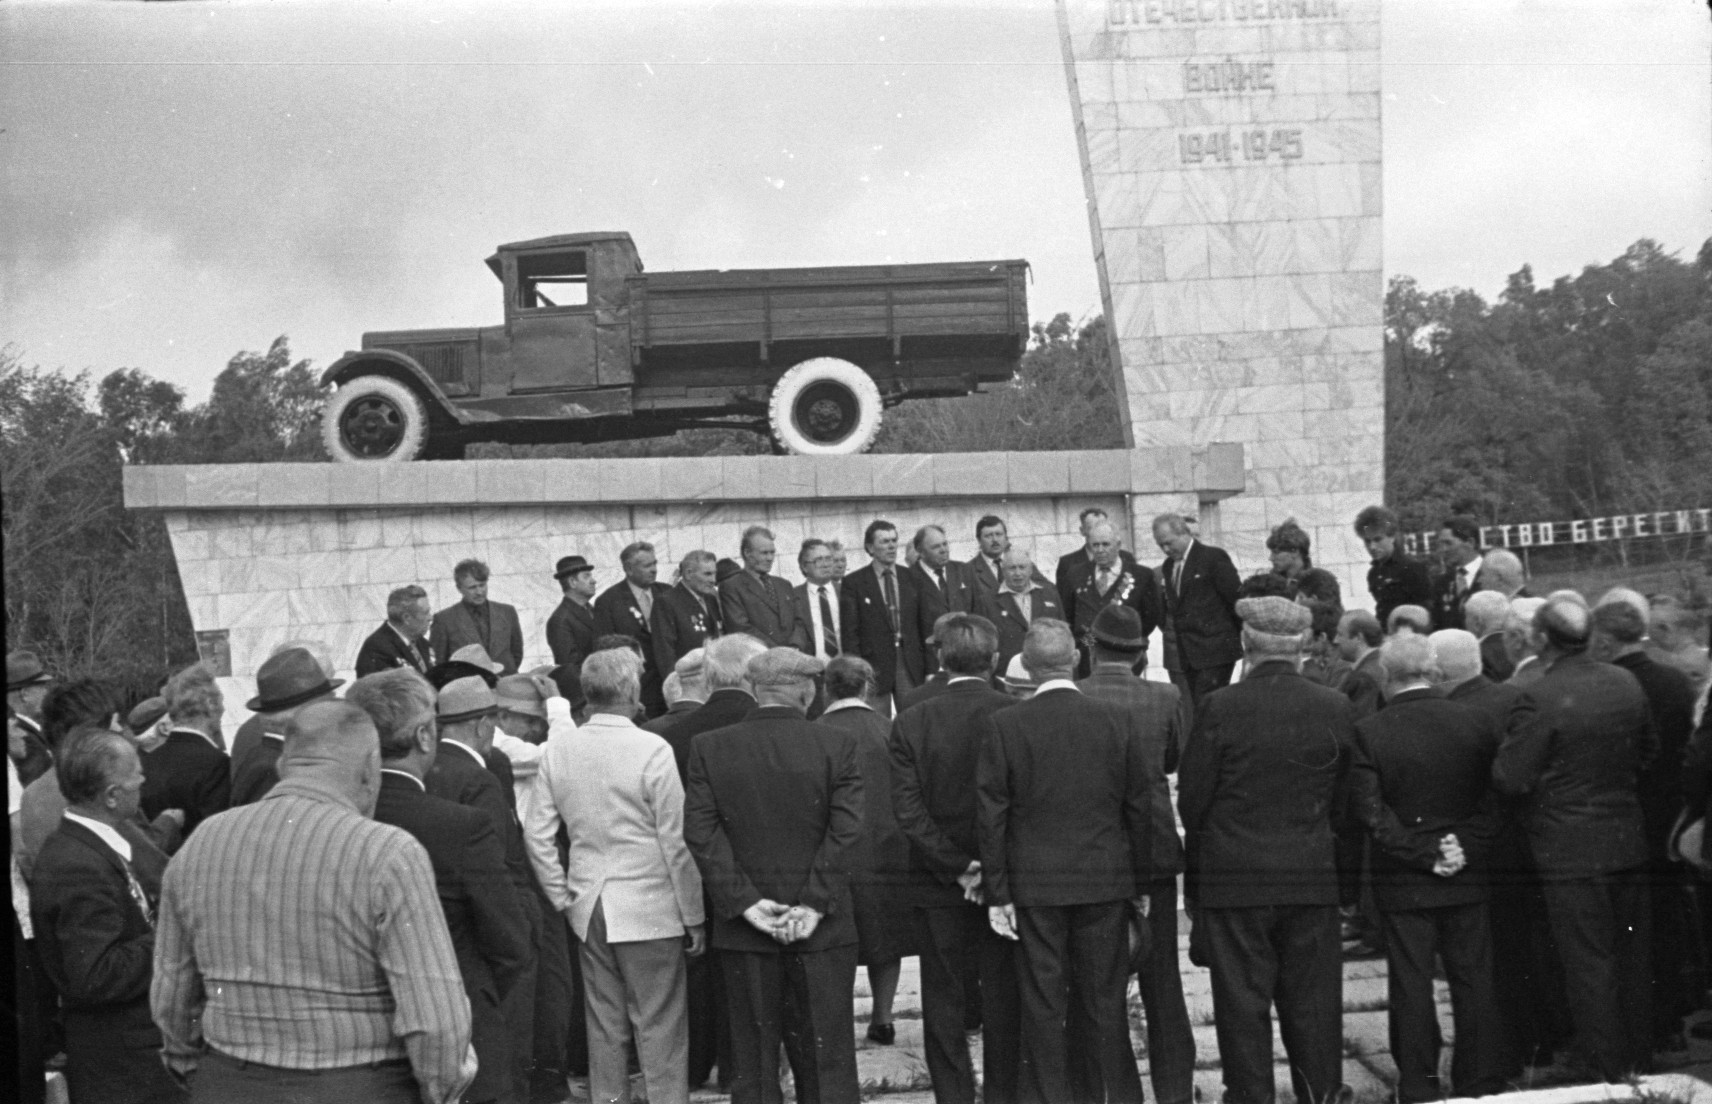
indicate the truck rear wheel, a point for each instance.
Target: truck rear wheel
{"x":374,"y":418}
{"x":825,"y":407}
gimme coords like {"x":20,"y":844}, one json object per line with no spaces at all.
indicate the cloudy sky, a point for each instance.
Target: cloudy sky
{"x":182,"y":181}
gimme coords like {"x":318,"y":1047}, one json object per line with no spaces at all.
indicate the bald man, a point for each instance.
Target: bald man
{"x":371,"y":1005}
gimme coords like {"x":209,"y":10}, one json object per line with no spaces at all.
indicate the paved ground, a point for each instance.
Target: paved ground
{"x":899,"y":1072}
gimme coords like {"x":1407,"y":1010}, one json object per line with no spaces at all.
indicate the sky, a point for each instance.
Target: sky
{"x":182,"y":181}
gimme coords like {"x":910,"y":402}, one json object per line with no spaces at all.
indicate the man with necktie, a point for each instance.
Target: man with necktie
{"x":688,"y":615}
{"x":1200,"y":601}
{"x":755,"y":600}
{"x":816,"y":600}
{"x":881,"y":616}
{"x":626,"y":607}
{"x":1019,"y":603}
{"x":474,"y":619}
{"x":946,"y":586}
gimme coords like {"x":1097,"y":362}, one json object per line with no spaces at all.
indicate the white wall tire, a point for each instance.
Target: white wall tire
{"x":825,"y":407}
{"x":374,"y":419}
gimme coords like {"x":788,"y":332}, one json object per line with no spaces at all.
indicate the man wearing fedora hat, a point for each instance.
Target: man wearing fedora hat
{"x":474,"y":619}
{"x":570,"y":627}
{"x":27,"y":683}
{"x":288,"y":681}
{"x":401,"y":641}
{"x":1117,"y":638}
{"x":190,"y":771}
{"x":469,"y":772}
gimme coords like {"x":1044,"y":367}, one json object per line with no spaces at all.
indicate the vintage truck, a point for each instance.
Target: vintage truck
{"x":593,"y":348}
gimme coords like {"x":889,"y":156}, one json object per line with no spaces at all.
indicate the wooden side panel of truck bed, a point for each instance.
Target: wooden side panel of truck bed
{"x":781,"y":305}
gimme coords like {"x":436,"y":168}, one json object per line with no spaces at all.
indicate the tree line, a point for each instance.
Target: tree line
{"x":1592,"y":396}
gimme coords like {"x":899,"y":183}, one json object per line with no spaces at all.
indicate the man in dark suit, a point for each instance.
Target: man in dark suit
{"x":27,"y":683}
{"x":464,"y":773}
{"x":1458,"y":545}
{"x":1620,"y":625}
{"x":1394,"y":578}
{"x":758,"y":602}
{"x":882,"y":616}
{"x":190,"y":771}
{"x":1485,"y":613}
{"x":935,"y":747}
{"x":1261,"y":776}
{"x":570,"y":627}
{"x":1577,"y":741}
{"x":773,"y":810}
{"x":1527,"y":978}
{"x":400,"y":642}
{"x":1071,"y":560}
{"x":945,"y":585}
{"x":1018,"y":603}
{"x":627,"y":609}
{"x":725,"y":673}
{"x":1357,"y":642}
{"x":490,"y":932}
{"x":1065,"y":824}
{"x":688,"y":615}
{"x":817,"y":601}
{"x":1200,"y":585}
{"x":93,"y":893}
{"x":1422,"y":786}
{"x":1117,"y":637}
{"x":289,"y":680}
{"x":993,"y":538}
{"x":1105,"y":579}
{"x":473,"y":619}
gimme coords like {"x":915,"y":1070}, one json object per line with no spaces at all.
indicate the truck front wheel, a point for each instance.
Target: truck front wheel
{"x":825,"y":407}
{"x":374,"y":418}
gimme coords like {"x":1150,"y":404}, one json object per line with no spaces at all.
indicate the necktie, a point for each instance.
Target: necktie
{"x":645,"y":602}
{"x":1177,"y":577}
{"x":891,"y":588}
{"x":712,"y":609}
{"x":1025,"y":605}
{"x":1105,"y":580}
{"x":1462,"y":579}
{"x":939,"y":573}
{"x":828,"y":630}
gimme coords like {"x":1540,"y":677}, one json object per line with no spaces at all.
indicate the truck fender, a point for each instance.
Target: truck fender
{"x":394,"y":365}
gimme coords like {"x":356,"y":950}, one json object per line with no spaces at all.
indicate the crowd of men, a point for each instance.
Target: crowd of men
{"x":661,"y":860}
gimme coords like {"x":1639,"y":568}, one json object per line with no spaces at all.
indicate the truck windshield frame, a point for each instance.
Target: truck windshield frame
{"x":549,"y":281}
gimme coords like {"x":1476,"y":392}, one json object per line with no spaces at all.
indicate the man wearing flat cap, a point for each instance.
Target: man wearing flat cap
{"x":288,"y":681}
{"x":1267,"y":765}
{"x":27,"y":683}
{"x":570,"y":627}
{"x":773,"y":809}
{"x":1116,"y":640}
{"x":464,"y":772}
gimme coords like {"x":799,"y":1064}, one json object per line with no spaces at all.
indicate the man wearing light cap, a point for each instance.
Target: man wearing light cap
{"x":1268,"y":762}
{"x":773,"y":809}
{"x":467,"y":712}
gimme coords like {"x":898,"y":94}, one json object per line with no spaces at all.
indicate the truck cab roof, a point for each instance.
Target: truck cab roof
{"x":558,"y":241}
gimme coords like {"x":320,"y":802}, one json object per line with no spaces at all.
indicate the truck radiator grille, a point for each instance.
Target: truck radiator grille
{"x":443,"y":363}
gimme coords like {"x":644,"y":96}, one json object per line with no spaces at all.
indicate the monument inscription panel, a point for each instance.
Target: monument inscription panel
{"x":1231,"y":152}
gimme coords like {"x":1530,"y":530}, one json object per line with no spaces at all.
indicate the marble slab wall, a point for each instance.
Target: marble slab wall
{"x":1231,"y":157}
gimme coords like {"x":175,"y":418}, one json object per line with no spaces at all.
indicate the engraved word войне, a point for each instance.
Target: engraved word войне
{"x":1229,"y":77}
{"x":1121,"y":12}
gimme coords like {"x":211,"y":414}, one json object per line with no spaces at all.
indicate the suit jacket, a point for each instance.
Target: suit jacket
{"x":1155,"y":705}
{"x":1263,"y":775}
{"x":881,"y":855}
{"x":762,"y":607}
{"x":722,"y":708}
{"x":1202,"y":608}
{"x":384,"y":649}
{"x":490,"y":932}
{"x":187,"y":772}
{"x":773,"y":810}
{"x":986,"y":581}
{"x":1364,"y":684}
{"x":455,"y":627}
{"x":682,"y":621}
{"x":1398,"y":580}
{"x":1001,"y":609}
{"x":570,"y":637}
{"x":1136,"y":587}
{"x":255,"y":769}
{"x":1494,"y":701}
{"x":1578,"y":738}
{"x":1425,"y":771}
{"x":1061,"y":577}
{"x":616,"y":611}
{"x":868,"y":630}
{"x":1065,"y":790}
{"x":97,"y":948}
{"x":936,"y":684}
{"x":1670,"y":697}
{"x":37,"y":758}
{"x":935,"y":748}
{"x":457,"y":777}
{"x":961,"y":589}
{"x":1495,"y":658}
{"x":1448,"y":601}
{"x":801,"y":598}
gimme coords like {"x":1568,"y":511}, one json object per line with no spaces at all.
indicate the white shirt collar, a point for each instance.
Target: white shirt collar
{"x":104,"y":832}
{"x":200,"y":734}
{"x":955,"y":679}
{"x":1057,"y":684}
{"x":608,"y":720}
{"x":847,"y":703}
{"x":1032,"y":587}
{"x":468,"y":750}
{"x":421,"y":785}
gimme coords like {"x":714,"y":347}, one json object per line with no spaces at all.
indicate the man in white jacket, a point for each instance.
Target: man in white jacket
{"x":630,"y":888}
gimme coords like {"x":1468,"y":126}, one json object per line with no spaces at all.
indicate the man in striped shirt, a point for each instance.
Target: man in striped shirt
{"x":301,"y":953}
